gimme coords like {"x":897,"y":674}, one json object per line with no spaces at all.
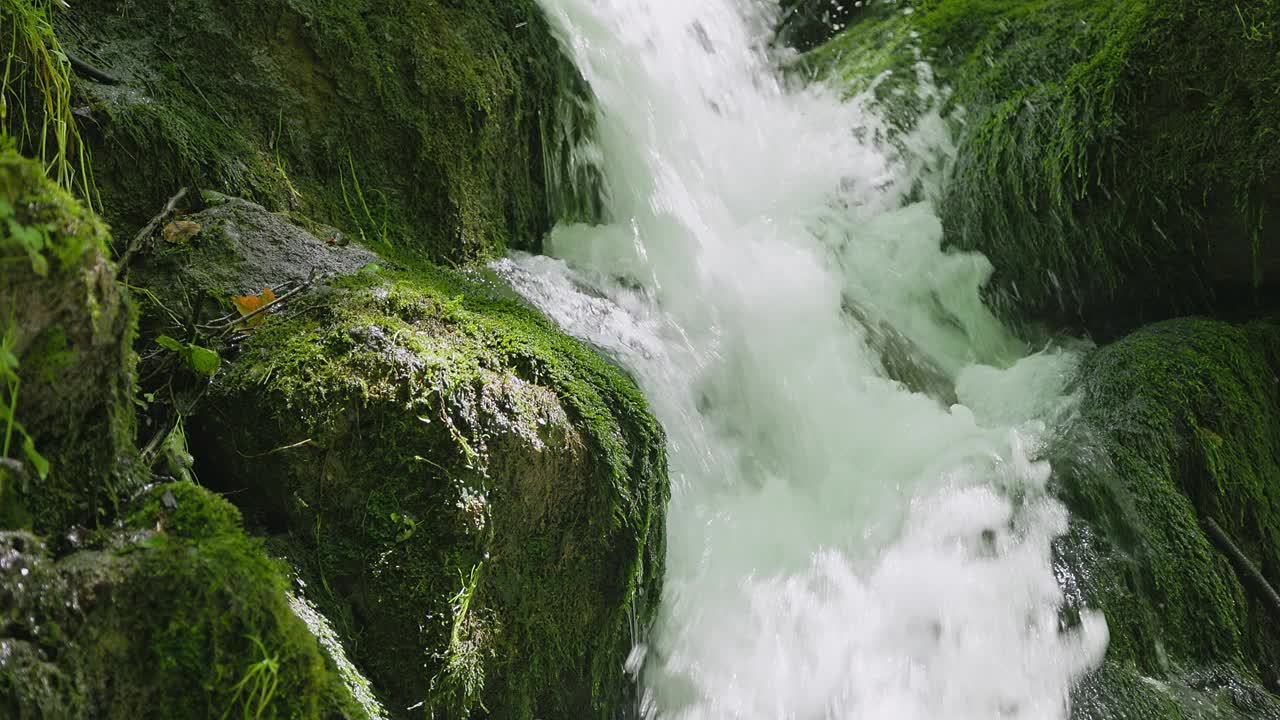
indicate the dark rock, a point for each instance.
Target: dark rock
{"x":241,"y":249}
{"x":477,"y":499}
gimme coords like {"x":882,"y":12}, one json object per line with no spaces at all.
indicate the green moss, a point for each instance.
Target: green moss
{"x":1119,"y":691}
{"x":1117,"y":161}
{"x":34,"y":207}
{"x":72,"y":345}
{"x":164,"y":618}
{"x":433,"y":127}
{"x":476,"y":498}
{"x":233,"y":614}
{"x":1181,"y":419}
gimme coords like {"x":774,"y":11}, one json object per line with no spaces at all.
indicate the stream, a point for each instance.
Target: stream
{"x":860,"y":526}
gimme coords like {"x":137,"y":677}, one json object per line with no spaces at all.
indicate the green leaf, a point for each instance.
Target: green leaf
{"x":203,"y":360}
{"x":169,"y":343}
{"x":38,"y":461}
{"x":39,"y":265}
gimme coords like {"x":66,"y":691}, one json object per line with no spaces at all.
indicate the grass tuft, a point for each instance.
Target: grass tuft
{"x":35,"y":97}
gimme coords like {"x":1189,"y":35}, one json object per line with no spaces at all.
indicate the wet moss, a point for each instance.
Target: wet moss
{"x":69,"y":330}
{"x":1116,"y":160}
{"x":476,"y":498}
{"x":1180,"y":426}
{"x":434,"y":127}
{"x":176,"y":613}
{"x":1120,"y":691}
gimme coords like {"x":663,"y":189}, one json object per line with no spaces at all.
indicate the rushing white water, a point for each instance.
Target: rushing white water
{"x":839,"y":545}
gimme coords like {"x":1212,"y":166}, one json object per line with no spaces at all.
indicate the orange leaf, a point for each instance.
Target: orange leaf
{"x":247,"y":304}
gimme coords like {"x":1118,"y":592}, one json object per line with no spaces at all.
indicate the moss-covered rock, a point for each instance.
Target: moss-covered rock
{"x":474,"y":498}
{"x":438,"y":127}
{"x":480,"y":496}
{"x":1117,"y":160}
{"x":173,"y":614}
{"x":66,"y":359}
{"x":1180,"y":426}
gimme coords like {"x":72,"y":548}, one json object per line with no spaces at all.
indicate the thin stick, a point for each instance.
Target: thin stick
{"x":1243,"y":565}
{"x":150,"y":227}
{"x":83,"y":68}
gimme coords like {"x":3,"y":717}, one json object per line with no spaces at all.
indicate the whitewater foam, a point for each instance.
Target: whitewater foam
{"x":840,"y":545}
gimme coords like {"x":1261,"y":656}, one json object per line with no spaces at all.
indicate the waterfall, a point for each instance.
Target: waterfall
{"x":860,"y":526}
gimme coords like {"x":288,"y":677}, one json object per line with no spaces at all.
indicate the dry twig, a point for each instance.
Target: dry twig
{"x":147,"y":230}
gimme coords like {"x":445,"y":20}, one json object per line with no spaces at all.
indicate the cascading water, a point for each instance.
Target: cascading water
{"x":839,"y":545}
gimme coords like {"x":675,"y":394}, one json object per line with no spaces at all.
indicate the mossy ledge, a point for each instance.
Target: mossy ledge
{"x":1117,"y":161}
{"x":1181,"y":425}
{"x":437,"y":127}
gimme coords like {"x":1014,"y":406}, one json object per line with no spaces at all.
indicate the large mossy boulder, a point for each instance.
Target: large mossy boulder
{"x":173,"y":613}
{"x":479,"y":497}
{"x":1178,"y":431}
{"x":441,"y":127}
{"x":66,"y":360}
{"x":474,"y":498}
{"x":1116,"y":160}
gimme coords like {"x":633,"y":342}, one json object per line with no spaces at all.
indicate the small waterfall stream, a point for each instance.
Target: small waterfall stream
{"x":859,"y":525}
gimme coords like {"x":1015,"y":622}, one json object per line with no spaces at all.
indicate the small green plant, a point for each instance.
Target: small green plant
{"x":407,"y":526}
{"x":461,"y":603}
{"x":281,"y":167}
{"x":10,"y":384}
{"x":31,"y":240}
{"x":1253,"y":31}
{"x":358,"y":221}
{"x":456,"y":689}
{"x":200,"y":359}
{"x":257,"y":688}
{"x":176,"y":453}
